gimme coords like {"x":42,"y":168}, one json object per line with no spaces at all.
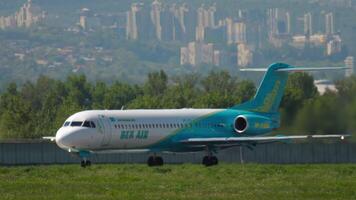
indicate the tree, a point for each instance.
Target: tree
{"x":322,"y":115}
{"x":300,"y":87}
{"x":79,"y":91}
{"x":16,"y":115}
{"x":156,"y":83}
{"x":119,"y":95}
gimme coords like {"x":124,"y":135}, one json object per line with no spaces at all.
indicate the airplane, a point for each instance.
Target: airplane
{"x":183,"y":130}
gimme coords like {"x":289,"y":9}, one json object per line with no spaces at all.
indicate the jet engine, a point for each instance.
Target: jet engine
{"x":241,"y":124}
{"x":254,"y":124}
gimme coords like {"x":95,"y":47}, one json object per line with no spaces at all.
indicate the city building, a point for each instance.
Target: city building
{"x":205,"y":19}
{"x":333,"y":46}
{"x":288,"y":31}
{"x":26,"y":16}
{"x":131,"y":24}
{"x":299,"y":41}
{"x":83,"y":22}
{"x":272,"y":15}
{"x":199,"y":33}
{"x":206,"y":16}
{"x":349,"y":63}
{"x":229,"y":30}
{"x":324,"y":85}
{"x":308,"y":28}
{"x":217,"y":58}
{"x":278,"y":26}
{"x":156,"y":18}
{"x":184,"y":56}
{"x":235,"y":31}
{"x":197,"y":53}
{"x":244,"y":55}
{"x":179,"y":25}
{"x":240,"y":32}
{"x":329,"y":24}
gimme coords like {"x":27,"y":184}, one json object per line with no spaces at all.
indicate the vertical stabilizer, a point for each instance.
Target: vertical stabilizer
{"x":270,"y":92}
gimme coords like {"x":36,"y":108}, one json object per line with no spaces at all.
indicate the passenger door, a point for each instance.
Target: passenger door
{"x":104,"y":129}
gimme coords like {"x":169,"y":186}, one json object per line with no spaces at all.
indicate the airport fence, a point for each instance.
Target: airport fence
{"x":43,"y":152}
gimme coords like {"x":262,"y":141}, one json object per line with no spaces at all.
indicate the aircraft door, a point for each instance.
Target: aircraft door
{"x":104,"y":129}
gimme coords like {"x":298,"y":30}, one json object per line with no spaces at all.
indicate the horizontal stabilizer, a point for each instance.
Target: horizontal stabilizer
{"x":301,"y":69}
{"x":294,"y":69}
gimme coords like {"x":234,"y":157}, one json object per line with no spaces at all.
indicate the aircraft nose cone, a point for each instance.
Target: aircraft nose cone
{"x":62,"y":139}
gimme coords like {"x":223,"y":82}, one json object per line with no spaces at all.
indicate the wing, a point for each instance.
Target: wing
{"x":234,"y":141}
{"x":52,"y":139}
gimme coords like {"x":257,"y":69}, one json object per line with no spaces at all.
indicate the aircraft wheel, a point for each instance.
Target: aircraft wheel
{"x":88,"y":163}
{"x":151,"y":161}
{"x":83,"y":164}
{"x":210,"y":161}
{"x":206,"y":161}
{"x":214,"y":160}
{"x":159,"y":161}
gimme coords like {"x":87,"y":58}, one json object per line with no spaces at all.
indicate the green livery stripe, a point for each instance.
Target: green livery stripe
{"x":181,"y":129}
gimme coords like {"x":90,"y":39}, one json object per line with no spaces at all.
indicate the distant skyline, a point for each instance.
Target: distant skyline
{"x":125,"y":39}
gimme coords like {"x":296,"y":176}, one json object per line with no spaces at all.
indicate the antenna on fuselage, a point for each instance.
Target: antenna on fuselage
{"x":122,"y":107}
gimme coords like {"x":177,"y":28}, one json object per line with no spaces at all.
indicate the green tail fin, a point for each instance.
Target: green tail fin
{"x":270,"y":92}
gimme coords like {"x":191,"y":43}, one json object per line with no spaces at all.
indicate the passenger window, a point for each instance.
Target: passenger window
{"x":87,"y":124}
{"x":76,"y":123}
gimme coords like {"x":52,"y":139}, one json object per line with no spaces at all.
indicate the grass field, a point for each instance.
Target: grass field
{"x":188,"y":181}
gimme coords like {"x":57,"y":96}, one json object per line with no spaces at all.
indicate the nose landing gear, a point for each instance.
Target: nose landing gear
{"x":85,"y":161}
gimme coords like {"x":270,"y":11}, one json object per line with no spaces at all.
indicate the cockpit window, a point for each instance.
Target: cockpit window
{"x":76,"y":123}
{"x":66,"y":124}
{"x":92,"y":124}
{"x":89,"y":124}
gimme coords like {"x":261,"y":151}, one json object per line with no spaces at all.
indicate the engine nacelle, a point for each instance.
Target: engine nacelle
{"x":240,"y":124}
{"x":254,"y":124}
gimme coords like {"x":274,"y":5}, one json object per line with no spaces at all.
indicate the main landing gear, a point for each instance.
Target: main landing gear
{"x":155,"y":161}
{"x":209,"y":159}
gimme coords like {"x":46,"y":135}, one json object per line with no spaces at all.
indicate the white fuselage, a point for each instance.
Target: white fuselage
{"x":125,"y":129}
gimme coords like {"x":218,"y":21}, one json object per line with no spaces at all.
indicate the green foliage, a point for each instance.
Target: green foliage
{"x":323,"y":114}
{"x":300,"y":87}
{"x":39,"y":109}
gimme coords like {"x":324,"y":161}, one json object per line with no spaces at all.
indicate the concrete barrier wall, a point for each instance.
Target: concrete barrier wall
{"x":25,"y":153}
